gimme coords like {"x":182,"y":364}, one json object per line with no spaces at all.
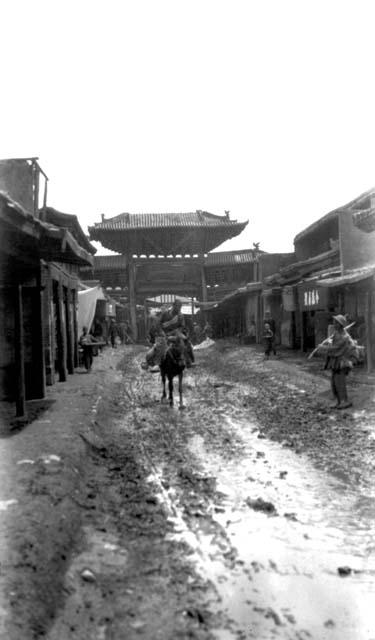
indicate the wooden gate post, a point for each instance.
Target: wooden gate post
{"x":204,"y":287}
{"x":132,"y":298}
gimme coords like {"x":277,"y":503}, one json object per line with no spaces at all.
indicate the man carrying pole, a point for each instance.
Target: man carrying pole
{"x":341,"y":350}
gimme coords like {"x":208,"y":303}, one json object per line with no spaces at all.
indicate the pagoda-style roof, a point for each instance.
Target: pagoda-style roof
{"x":107,"y":263}
{"x":219,"y":258}
{"x":165,"y":233}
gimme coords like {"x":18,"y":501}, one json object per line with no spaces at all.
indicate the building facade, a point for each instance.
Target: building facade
{"x":38,"y":294}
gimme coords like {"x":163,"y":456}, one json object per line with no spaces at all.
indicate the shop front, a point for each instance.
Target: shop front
{"x":272,"y":308}
{"x":316,"y":305}
{"x":289,"y":322}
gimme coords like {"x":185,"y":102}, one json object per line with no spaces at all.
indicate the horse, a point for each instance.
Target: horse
{"x":178,"y":355}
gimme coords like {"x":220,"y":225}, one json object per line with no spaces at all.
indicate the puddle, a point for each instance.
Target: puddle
{"x":283,"y":578}
{"x":291,"y":565}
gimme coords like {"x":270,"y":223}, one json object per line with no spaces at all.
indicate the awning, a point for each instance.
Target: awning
{"x":351,"y":277}
{"x":241,"y":291}
{"x":87,"y":300}
{"x":274,"y":291}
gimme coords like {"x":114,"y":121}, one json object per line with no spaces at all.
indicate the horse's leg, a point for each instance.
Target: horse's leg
{"x":164,"y":391}
{"x":170,"y":384}
{"x":180,"y":375}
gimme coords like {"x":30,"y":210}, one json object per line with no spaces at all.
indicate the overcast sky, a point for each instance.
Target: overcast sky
{"x":265,"y":108}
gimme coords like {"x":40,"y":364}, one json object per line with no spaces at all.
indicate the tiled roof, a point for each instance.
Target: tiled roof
{"x":304,"y":267}
{"x":241,"y":291}
{"x":228,"y":258}
{"x":109,"y":262}
{"x":46,"y":240}
{"x":156,"y":220}
{"x":68,"y":221}
{"x":290,"y":268}
{"x":350,"y":277}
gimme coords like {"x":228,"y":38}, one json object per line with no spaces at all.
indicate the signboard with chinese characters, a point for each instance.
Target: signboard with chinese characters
{"x":289,"y":298}
{"x":312,"y":297}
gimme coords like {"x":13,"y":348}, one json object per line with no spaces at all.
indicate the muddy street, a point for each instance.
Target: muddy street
{"x":249,"y":514}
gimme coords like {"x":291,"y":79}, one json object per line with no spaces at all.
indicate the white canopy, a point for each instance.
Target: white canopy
{"x":87,"y":305}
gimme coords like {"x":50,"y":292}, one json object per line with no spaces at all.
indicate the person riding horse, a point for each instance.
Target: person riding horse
{"x":169,"y":329}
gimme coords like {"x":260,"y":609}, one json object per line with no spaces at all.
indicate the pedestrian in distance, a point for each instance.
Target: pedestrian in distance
{"x":270,"y":321}
{"x":207,"y":331}
{"x":268,"y":340}
{"x":85,"y":342}
{"x":113,"y":333}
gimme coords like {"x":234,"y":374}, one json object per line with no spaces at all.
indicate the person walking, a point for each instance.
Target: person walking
{"x":341,"y":352}
{"x":85,"y":342}
{"x":113,"y":333}
{"x":207,"y":331}
{"x":268,"y":337}
{"x":272,"y":325}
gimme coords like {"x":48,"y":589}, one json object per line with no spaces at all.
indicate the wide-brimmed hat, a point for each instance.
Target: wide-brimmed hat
{"x":341,"y":320}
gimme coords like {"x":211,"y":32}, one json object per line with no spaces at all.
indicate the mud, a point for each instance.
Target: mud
{"x":247,"y":515}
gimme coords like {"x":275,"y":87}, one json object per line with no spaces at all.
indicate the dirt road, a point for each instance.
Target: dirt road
{"x":249,"y":514}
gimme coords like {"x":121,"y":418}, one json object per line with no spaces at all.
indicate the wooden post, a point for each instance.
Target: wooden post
{"x":49,"y":332}
{"x":145,"y":317}
{"x":302,"y":332}
{"x":132,"y":298}
{"x":69,"y":332}
{"x":61,"y":334}
{"x":368,"y":320}
{"x":204,"y":284}
{"x":75,"y":327}
{"x":36,"y":189}
{"x":19,"y":350}
{"x":39,"y":361}
{"x":204,"y":287}
{"x":260,"y":318}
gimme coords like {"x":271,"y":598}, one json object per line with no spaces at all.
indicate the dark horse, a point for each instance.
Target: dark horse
{"x":178,"y":355}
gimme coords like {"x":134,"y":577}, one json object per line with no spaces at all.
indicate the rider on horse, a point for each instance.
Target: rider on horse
{"x":170,"y":328}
